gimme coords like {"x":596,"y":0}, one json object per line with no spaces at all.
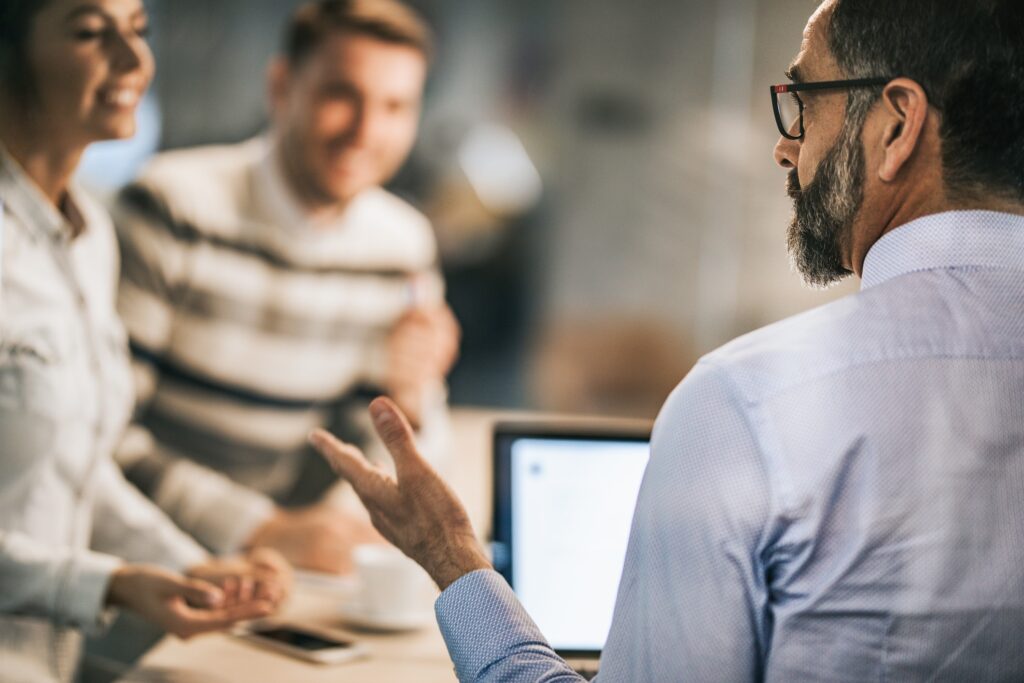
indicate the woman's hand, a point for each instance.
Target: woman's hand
{"x":260,"y":574}
{"x":183,"y":606}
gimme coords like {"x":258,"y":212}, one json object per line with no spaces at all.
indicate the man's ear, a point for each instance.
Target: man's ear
{"x":278,"y":79}
{"x":906,"y":107}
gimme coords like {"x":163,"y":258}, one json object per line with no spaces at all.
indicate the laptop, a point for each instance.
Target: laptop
{"x":563,"y":506}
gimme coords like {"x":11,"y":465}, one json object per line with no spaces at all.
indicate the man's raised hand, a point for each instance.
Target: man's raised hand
{"x":415,"y":510}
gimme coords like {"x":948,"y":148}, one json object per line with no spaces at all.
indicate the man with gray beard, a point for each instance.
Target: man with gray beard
{"x":838,"y":496}
{"x":824,"y":210}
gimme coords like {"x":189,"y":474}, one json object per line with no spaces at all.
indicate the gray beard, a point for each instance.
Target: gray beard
{"x":824,"y":211}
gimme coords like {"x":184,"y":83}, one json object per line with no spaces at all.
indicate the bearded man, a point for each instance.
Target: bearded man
{"x":838,"y":496}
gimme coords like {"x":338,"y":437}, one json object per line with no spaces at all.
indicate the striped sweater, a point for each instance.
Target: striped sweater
{"x":251,"y":324}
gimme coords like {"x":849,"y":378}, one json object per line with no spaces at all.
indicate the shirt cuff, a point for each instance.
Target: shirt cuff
{"x":482,"y":622}
{"x":85,"y":593}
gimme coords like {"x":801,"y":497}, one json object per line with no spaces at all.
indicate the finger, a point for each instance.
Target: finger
{"x":346,"y":460}
{"x":395,"y":432}
{"x":420,"y":315}
{"x":414,"y":352}
{"x":267,"y":590}
{"x":246,"y":588}
{"x":200,"y":593}
{"x":271,"y":579}
{"x":268,"y":558}
{"x":413,"y":380}
{"x":415,"y":320}
{"x":229,"y":584}
{"x":446,"y":322}
{"x":446,"y":326}
{"x":419,"y":360}
{"x":271,"y":566}
{"x":189,"y":621}
{"x":412,"y":323}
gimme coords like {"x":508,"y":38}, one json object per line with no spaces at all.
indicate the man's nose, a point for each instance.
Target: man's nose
{"x":787,"y":152}
{"x":363,"y":121}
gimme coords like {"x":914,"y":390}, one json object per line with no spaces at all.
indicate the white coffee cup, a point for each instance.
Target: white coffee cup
{"x":391,"y":587}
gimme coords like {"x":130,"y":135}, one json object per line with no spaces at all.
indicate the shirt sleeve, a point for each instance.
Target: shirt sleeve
{"x":130,"y":526}
{"x":65,"y":585}
{"x":490,"y":637}
{"x":218,"y":512}
{"x":40,"y":576}
{"x":692,"y":602}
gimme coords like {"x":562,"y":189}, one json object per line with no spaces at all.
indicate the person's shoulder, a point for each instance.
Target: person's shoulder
{"x":204,"y":188}
{"x":817,"y":342}
{"x":196,"y":167}
{"x":379,"y":204}
{"x":389,"y":220}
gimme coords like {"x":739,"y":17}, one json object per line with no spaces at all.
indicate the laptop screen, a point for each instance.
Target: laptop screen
{"x":563,"y":508}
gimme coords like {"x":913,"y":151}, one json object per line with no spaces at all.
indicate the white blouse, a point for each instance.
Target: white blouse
{"x":67,"y":516}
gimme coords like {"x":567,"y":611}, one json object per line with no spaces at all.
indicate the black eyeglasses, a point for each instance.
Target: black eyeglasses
{"x":789,"y":109}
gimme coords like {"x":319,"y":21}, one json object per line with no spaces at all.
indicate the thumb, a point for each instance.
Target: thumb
{"x":395,"y":432}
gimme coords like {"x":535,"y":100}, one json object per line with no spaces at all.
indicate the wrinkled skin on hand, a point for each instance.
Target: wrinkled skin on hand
{"x":415,"y":509}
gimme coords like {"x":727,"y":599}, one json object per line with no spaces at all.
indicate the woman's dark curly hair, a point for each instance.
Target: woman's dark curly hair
{"x":16,"y":78}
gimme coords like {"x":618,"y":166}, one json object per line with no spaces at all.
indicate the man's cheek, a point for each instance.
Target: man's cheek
{"x":332,"y":119}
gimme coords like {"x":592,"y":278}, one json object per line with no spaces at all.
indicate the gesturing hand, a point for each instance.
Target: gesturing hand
{"x":415,"y":510}
{"x":182,"y":606}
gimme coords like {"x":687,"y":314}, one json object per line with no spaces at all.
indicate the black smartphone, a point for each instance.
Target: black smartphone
{"x":304,"y":642}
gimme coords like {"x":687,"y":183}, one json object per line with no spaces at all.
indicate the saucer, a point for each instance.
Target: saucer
{"x":354,"y":615}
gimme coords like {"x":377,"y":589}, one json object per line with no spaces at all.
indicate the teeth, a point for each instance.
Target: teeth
{"x":124,"y":97}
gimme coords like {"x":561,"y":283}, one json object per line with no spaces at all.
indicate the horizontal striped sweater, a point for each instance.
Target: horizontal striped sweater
{"x":252,"y":324}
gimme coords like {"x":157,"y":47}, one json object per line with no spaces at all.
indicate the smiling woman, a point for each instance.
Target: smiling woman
{"x":71,"y":529}
{"x":74,"y":70}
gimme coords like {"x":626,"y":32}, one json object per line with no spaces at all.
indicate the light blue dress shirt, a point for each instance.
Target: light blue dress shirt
{"x":838,"y":496}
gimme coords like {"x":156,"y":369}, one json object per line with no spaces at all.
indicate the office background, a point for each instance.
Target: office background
{"x":599,"y":173}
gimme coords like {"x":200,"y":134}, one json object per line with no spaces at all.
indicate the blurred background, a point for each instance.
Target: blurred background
{"x":599,"y":174}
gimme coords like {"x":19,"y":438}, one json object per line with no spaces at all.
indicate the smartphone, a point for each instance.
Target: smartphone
{"x":304,"y":642}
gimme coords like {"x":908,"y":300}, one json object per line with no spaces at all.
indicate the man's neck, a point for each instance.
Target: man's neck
{"x":927,"y":203}
{"x":317,"y":207}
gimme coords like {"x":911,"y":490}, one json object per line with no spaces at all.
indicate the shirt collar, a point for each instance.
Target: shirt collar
{"x":279,"y":200}
{"x":954,"y":239}
{"x":23,"y":197}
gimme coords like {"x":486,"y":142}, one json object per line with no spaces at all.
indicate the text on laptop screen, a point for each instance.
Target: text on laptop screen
{"x":572,"y":504}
